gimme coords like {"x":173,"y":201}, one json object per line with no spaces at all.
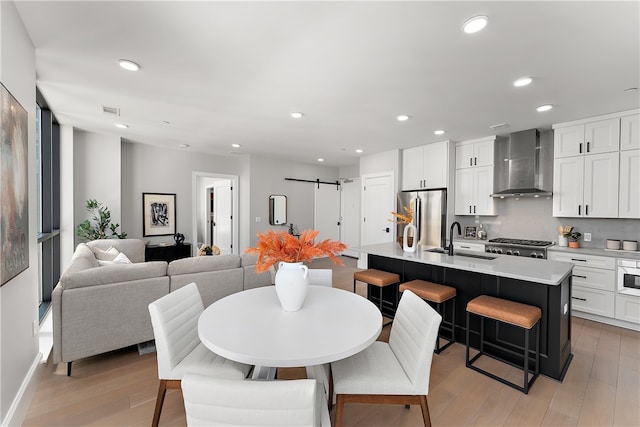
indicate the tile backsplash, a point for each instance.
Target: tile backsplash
{"x":531,"y":218}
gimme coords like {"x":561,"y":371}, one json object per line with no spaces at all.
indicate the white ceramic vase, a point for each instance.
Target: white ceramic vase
{"x":292,"y":285}
{"x":410,"y":230}
{"x":563,"y":241}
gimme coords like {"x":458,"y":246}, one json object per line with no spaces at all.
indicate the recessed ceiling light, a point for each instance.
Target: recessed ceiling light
{"x":475,"y":24}
{"x":321,"y":159}
{"x":129,"y":65}
{"x":439,"y":132}
{"x":184,"y":146}
{"x":631,"y":89}
{"x":402,"y":118}
{"x":545,"y":107}
{"x":235,"y":145}
{"x":121,"y":125}
{"x":522,"y":81}
{"x":297,"y":115}
{"x":359,"y":150}
{"x":498,"y":125}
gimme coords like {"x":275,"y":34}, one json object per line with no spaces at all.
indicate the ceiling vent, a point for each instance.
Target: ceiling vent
{"x":111,"y":110}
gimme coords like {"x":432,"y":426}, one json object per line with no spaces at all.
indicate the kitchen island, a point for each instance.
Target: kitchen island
{"x":542,"y":283}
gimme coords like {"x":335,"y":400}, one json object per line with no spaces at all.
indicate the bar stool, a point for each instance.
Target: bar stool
{"x":438,"y":294}
{"x":377,"y":278}
{"x":514,"y":313}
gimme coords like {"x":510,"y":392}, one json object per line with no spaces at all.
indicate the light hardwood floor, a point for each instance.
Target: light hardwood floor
{"x":601,"y":388}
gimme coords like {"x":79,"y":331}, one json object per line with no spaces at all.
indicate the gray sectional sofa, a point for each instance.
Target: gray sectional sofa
{"x":97,"y":308}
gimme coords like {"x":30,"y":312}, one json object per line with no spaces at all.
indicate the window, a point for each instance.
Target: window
{"x":48,"y":189}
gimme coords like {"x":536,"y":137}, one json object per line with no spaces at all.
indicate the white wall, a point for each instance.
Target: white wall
{"x":268,"y":177}
{"x":147,"y":169}
{"x":382,"y":162}
{"x":19,"y":297}
{"x":67,"y":202}
{"x":96,"y":167}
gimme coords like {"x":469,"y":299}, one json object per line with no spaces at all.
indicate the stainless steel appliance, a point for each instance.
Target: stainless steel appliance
{"x":523,"y":165}
{"x":429,"y":216}
{"x":518,"y":247}
{"x":629,"y":277}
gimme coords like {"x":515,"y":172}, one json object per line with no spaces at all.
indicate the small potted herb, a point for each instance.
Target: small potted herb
{"x":573,"y":237}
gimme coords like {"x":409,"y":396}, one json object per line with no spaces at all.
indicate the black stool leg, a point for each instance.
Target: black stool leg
{"x":526,"y":361}
{"x":467,"y":341}
{"x":438,"y":336}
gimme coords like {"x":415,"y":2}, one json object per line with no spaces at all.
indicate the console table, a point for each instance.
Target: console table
{"x":168,"y":252}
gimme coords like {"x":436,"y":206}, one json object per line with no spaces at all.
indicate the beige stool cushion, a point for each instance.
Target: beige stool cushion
{"x":429,"y":291}
{"x":511,"y":312}
{"x":376,"y":277}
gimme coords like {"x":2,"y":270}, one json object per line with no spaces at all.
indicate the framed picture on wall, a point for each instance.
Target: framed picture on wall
{"x":14,"y":187}
{"x":470,"y":232}
{"x":158,"y":214}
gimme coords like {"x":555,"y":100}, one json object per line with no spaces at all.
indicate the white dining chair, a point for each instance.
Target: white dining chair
{"x":175,"y":327}
{"x":320,"y":276}
{"x":396,"y":372}
{"x":218,"y":402}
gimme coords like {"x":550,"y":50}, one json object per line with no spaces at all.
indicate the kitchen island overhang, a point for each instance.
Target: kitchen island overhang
{"x":543,"y":283}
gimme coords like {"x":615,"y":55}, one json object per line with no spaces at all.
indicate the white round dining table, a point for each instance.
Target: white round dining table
{"x":251,"y":327}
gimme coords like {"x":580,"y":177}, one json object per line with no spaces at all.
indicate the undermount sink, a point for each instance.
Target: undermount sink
{"x":479,"y":256}
{"x":464,"y":254}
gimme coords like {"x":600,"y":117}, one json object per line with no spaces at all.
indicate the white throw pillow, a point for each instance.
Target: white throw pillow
{"x":121,"y":258}
{"x":108,"y":255}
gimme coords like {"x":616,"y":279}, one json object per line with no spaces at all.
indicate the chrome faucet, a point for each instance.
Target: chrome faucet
{"x":457,"y":224}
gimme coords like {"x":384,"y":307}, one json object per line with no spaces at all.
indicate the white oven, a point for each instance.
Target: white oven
{"x":629,"y":277}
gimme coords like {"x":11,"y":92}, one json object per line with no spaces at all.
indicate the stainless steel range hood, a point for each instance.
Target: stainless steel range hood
{"x":521,"y":168}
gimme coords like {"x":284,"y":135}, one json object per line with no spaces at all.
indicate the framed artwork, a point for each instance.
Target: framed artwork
{"x":470,"y":232}
{"x":14,"y":191}
{"x":158,"y":214}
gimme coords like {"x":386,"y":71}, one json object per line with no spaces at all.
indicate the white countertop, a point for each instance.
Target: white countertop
{"x":597,"y":251}
{"x":532,"y":270}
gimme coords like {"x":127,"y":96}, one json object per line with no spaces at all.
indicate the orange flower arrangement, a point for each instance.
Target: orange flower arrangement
{"x":274,"y":247}
{"x":406,"y":218}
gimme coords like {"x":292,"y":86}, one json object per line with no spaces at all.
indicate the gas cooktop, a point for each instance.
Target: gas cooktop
{"x":521,"y":242}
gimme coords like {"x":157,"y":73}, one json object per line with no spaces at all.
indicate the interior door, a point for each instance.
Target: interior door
{"x":350,"y":215}
{"x":326,"y":212}
{"x":223,"y":208}
{"x":378,"y":201}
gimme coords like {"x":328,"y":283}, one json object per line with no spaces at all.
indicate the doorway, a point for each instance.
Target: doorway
{"x":350,"y":215}
{"x":378,"y":200}
{"x":215,"y":211}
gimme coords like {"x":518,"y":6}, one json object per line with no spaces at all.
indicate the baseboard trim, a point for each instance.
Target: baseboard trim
{"x":607,"y":320}
{"x":20,"y":405}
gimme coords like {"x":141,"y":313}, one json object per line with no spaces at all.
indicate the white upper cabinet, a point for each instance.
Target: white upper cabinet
{"x":599,"y":136}
{"x":629,"y":184}
{"x":630,"y":132}
{"x":426,"y":166}
{"x":595,"y":173}
{"x":478,"y":152}
{"x":474,"y":177}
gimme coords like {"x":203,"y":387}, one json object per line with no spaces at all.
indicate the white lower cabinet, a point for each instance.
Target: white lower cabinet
{"x":593,"y":301}
{"x":594,"y":282}
{"x":472,"y":247}
{"x":628,"y":308}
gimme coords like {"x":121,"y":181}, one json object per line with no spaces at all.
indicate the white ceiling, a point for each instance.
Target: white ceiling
{"x":231,"y":72}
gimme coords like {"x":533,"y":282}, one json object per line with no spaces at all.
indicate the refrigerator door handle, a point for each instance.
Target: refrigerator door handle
{"x":417,"y":216}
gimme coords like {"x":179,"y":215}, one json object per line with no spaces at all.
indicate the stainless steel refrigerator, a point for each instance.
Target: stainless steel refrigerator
{"x":429,"y":216}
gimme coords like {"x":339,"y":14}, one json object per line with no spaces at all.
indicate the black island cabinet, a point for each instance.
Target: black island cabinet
{"x":553,"y":300}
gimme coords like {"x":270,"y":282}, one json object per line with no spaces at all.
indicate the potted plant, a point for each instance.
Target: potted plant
{"x":573,"y":236}
{"x":289,"y":252}
{"x":101,"y":225}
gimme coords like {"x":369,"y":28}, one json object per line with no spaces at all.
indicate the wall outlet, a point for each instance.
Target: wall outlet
{"x":258,"y":219}
{"x":587,"y":237}
{"x":34,"y":328}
